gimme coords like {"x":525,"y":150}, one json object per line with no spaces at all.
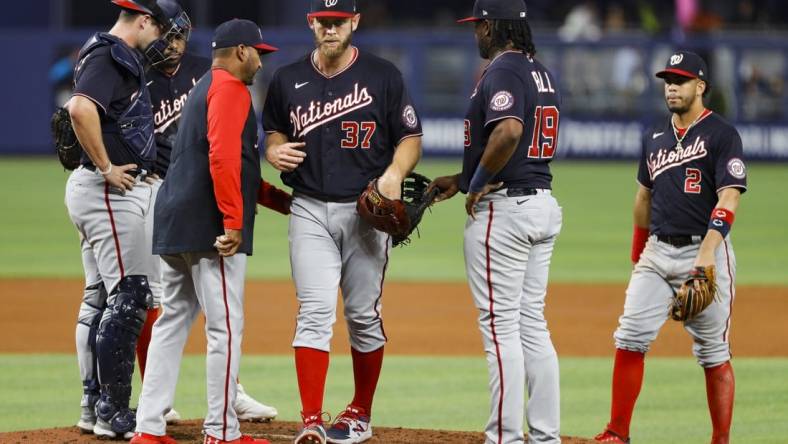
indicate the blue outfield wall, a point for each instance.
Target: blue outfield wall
{"x":601,"y":117}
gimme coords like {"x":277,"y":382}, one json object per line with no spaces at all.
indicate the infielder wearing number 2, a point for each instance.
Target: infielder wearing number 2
{"x":511,"y":131}
{"x":691,"y":176}
{"x":335,"y":120}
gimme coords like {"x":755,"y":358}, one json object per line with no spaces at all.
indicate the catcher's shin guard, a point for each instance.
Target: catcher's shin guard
{"x":116,"y":341}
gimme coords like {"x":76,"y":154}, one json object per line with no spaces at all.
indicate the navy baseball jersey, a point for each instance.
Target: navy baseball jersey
{"x":515,"y":86}
{"x":351,"y":122}
{"x":110,"y":86}
{"x":168,"y":94}
{"x":684,"y":177}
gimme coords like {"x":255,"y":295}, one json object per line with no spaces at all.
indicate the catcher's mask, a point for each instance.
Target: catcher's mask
{"x":177,"y":25}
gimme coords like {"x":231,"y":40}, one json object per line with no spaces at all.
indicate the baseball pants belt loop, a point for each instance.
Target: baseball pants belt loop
{"x":679,"y":241}
{"x":519,"y":191}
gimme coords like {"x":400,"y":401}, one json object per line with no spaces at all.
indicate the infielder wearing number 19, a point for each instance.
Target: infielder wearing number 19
{"x":511,"y":131}
{"x":691,"y":175}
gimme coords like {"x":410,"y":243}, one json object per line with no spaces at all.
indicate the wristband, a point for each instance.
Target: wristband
{"x":721,"y":221}
{"x":480,"y":178}
{"x":639,"y":239}
{"x":104,"y":173}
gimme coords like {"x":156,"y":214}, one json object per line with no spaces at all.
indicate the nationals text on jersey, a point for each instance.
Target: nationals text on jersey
{"x":318,"y":114}
{"x":664,"y":159}
{"x":170,"y":112}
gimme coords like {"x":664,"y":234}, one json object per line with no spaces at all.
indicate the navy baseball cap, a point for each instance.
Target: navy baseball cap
{"x":240,"y":32}
{"x":686,"y":64}
{"x":332,"y":8}
{"x":149,"y":7}
{"x":497,"y":10}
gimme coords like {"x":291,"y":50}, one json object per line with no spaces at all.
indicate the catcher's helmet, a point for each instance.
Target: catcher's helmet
{"x":170,"y":15}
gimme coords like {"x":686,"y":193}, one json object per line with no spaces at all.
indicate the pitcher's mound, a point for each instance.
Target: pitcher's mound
{"x":189,"y":432}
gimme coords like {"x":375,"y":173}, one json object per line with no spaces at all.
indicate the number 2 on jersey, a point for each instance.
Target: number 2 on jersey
{"x":351,"y":130}
{"x":545,"y":133}
{"x":692,"y":182}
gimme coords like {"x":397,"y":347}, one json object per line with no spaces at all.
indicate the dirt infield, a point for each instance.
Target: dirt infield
{"x":420,"y":319}
{"x":277,"y":432}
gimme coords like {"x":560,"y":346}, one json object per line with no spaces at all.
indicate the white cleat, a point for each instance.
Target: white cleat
{"x":249,"y":409}
{"x":103,"y":430}
{"x":87,"y":419}
{"x":172,"y":416}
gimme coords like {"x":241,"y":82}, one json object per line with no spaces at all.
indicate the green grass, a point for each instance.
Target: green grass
{"x":39,"y":241}
{"x":438,"y":393}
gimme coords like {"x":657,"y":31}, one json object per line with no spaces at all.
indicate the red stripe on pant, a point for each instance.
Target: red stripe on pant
{"x":492,"y":324}
{"x":114,"y":232}
{"x":229,"y":350}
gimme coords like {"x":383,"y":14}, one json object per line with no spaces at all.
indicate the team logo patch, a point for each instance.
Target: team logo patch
{"x":736,"y":168}
{"x":409,"y":117}
{"x":676,"y":59}
{"x":331,"y":3}
{"x":502,"y":101}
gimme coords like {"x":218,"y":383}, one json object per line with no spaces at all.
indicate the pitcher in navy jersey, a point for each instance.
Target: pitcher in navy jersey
{"x":691,"y":176}
{"x":511,"y":135}
{"x":335,"y":120}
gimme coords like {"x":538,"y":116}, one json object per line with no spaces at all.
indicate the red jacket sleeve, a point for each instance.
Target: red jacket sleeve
{"x":228,"y":109}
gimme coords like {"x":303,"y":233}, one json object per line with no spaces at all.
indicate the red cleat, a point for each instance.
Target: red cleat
{"x":608,"y":436}
{"x":145,"y":438}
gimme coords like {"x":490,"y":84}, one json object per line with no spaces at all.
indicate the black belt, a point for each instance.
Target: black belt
{"x":133,"y":173}
{"x":517,"y":192}
{"x":326,"y":198}
{"x":679,"y":241}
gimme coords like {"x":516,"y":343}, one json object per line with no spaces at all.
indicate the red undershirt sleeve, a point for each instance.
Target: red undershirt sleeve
{"x":228,"y":109}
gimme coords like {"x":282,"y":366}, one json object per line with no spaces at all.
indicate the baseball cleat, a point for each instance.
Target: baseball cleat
{"x":145,"y":438}
{"x":608,"y":436}
{"x":87,"y":419}
{"x":249,"y":409}
{"x":103,"y":430}
{"x":172,"y":416}
{"x":311,"y":434}
{"x":244,"y":439}
{"x":352,"y":426}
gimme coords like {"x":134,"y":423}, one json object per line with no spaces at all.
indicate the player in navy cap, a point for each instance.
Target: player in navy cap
{"x":203,"y":229}
{"x":174,"y":72}
{"x":691,"y":176}
{"x":511,"y":136}
{"x":335,"y":120}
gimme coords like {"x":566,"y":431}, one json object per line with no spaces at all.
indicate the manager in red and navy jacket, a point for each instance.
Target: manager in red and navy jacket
{"x":203,"y":225}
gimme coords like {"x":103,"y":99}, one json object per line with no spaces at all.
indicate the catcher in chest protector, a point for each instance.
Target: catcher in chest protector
{"x":691,"y":176}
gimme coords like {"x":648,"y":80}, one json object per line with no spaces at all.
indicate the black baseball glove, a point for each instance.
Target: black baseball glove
{"x":67,"y":147}
{"x":397,"y":217}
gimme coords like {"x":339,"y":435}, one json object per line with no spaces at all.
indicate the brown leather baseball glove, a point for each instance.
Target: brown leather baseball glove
{"x":697,"y":293}
{"x":396,"y":217}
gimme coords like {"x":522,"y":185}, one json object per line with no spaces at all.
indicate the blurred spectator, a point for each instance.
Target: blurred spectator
{"x":582,"y":23}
